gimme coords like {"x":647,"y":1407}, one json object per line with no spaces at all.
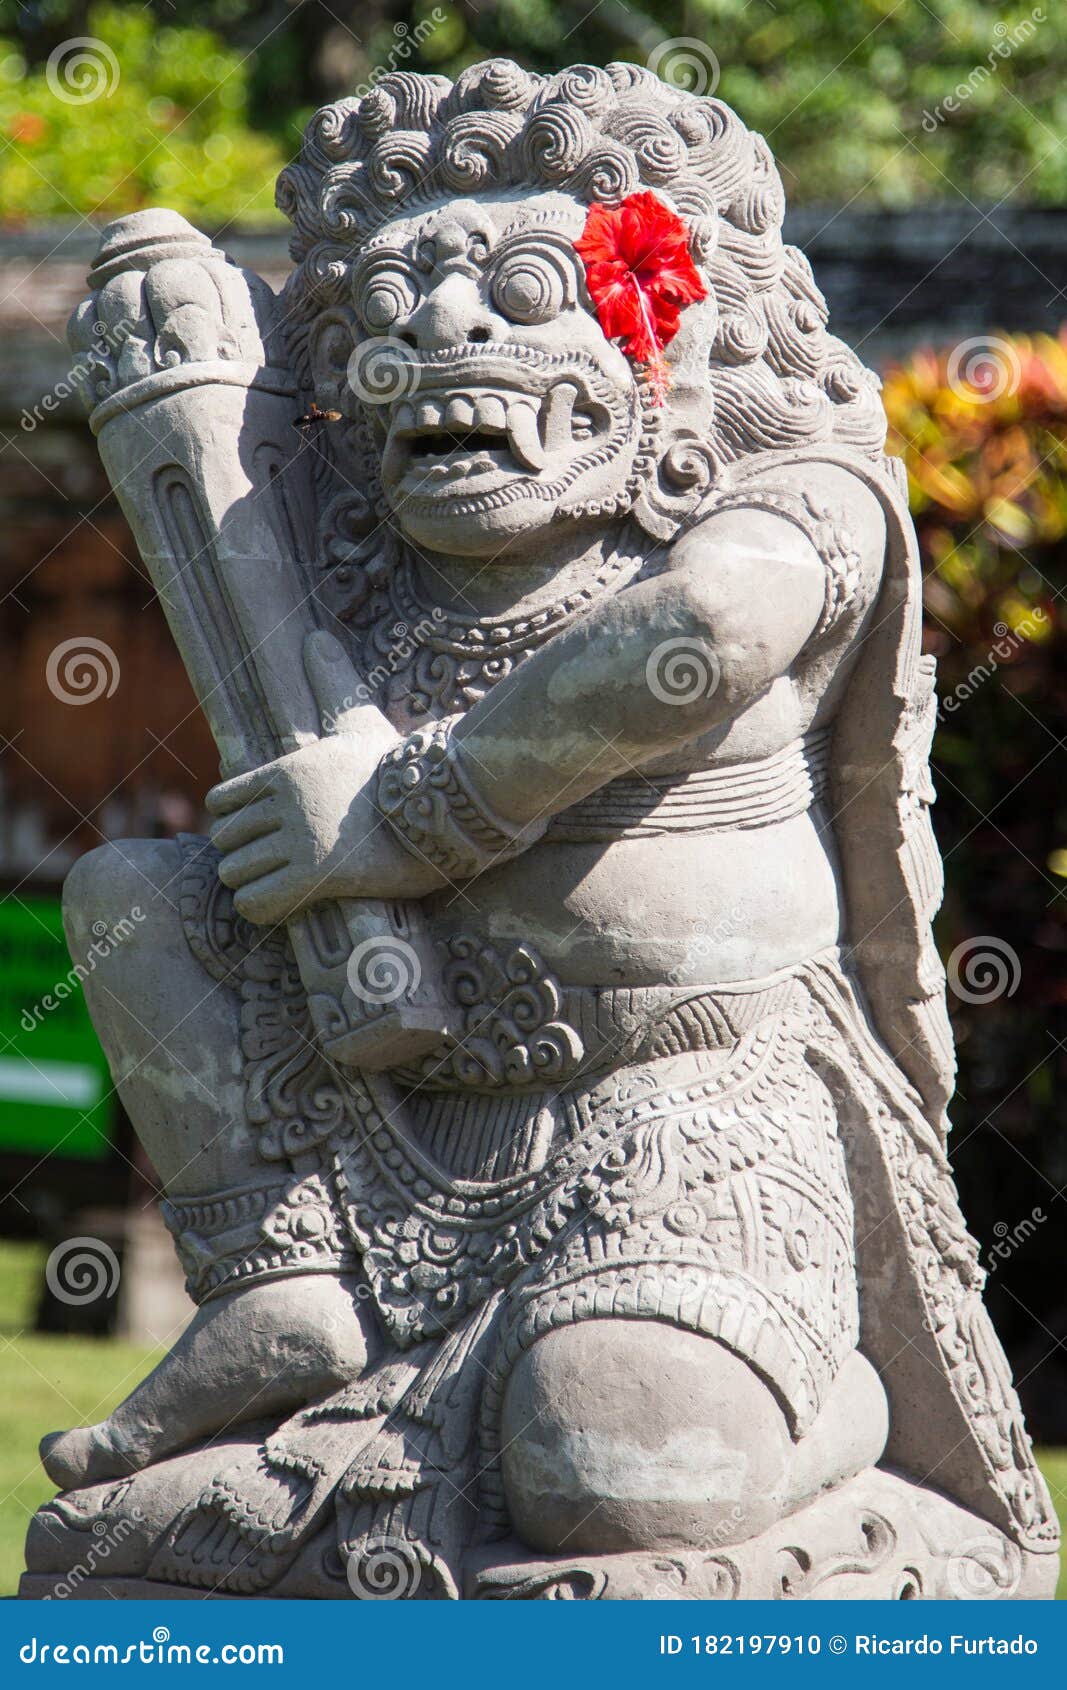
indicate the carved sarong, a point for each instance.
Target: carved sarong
{"x":742,"y":1157}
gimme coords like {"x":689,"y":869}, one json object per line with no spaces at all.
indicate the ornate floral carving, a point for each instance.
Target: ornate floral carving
{"x":668,"y":1166}
{"x":877,"y":1537}
{"x":896,"y":1154}
{"x":423,"y":660}
{"x":429,"y":798}
{"x":257,"y":1232}
{"x":803,"y":1574}
{"x":511,"y":1030}
{"x":294,"y":1098}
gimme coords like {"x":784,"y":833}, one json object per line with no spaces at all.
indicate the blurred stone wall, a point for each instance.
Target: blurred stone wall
{"x":137,"y":759}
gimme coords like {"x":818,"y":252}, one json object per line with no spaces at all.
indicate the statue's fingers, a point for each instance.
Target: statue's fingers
{"x":266,"y":902}
{"x":252,"y":862}
{"x":251,"y":822}
{"x":233,"y":794}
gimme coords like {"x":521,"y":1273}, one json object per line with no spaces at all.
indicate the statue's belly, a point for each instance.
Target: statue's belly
{"x":674,"y":909}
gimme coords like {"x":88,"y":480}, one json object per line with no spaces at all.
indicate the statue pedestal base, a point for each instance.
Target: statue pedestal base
{"x":878,"y":1537}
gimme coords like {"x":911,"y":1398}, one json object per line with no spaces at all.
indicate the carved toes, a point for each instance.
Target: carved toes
{"x":86,"y":1455}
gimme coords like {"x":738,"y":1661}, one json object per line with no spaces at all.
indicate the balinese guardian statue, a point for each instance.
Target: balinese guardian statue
{"x":546,"y":1058}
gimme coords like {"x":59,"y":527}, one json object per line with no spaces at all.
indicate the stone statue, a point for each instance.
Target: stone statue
{"x":546,"y":1060}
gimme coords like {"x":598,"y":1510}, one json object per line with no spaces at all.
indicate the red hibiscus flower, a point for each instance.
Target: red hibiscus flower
{"x":640,"y":274}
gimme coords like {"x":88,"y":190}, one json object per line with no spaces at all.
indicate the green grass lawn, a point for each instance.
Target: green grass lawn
{"x":45,"y":1383}
{"x":1053,"y":1463}
{"x":48,"y":1382}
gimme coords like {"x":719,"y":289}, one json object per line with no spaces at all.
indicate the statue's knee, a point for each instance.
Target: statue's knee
{"x":627,"y":1434}
{"x":119,"y":889}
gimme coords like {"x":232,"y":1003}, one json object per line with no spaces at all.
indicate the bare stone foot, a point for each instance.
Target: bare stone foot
{"x":848,"y":1436}
{"x":83,"y":1456}
{"x":265,"y":1349}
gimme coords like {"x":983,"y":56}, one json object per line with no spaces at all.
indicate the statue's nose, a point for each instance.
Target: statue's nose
{"x":452,"y":314}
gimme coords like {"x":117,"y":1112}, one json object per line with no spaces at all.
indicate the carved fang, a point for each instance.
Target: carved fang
{"x":523,"y":436}
{"x":557,"y":412}
{"x":394,"y":458}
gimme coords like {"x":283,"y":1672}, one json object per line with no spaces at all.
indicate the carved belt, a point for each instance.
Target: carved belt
{"x":738,"y":795}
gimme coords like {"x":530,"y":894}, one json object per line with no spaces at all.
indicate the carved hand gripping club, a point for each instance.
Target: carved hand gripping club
{"x":192,"y":407}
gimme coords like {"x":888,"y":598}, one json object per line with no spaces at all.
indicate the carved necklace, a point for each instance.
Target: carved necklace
{"x":432,"y":661}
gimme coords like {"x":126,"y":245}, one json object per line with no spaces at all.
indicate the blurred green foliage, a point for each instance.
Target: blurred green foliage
{"x":866,"y":99}
{"x":983,"y":431}
{"x":169,"y":126}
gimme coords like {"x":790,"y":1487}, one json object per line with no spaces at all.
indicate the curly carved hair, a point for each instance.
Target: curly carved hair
{"x":778,"y":378}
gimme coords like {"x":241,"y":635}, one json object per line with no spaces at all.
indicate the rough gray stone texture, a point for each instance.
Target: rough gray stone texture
{"x":547,"y":1058}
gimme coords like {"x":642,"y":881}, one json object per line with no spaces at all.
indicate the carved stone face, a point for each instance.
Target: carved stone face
{"x":498,"y":405}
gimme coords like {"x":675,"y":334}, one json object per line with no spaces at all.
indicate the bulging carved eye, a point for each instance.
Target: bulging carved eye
{"x":385,"y":291}
{"x":386,"y":300}
{"x":533,"y":286}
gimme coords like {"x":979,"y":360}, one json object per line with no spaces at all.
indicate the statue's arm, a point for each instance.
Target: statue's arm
{"x":649,"y":668}
{"x":365,"y":813}
{"x":738,"y":600}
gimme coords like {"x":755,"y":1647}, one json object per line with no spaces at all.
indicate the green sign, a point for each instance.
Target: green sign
{"x":55,"y":1090}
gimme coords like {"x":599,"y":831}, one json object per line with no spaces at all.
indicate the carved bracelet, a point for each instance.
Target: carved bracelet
{"x":429,"y":801}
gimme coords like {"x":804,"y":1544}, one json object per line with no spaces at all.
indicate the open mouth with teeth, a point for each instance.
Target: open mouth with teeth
{"x":483,"y":437}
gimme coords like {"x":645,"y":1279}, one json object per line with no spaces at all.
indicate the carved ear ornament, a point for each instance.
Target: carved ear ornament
{"x":676,"y":482}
